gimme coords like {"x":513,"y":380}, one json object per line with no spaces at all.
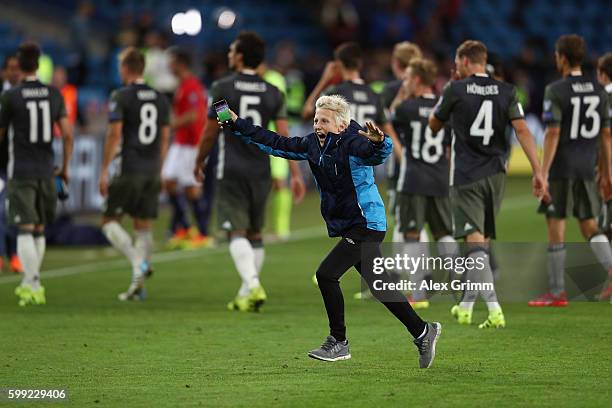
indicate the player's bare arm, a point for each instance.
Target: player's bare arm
{"x":163,"y":145}
{"x":185,"y":119}
{"x":207,"y":142}
{"x":525,"y":138}
{"x":298,"y":188}
{"x":435,"y":124}
{"x":329,"y":72}
{"x":113,"y":139}
{"x":67,"y":145}
{"x":604,"y":165}
{"x":397,"y":147}
{"x":551,"y":142}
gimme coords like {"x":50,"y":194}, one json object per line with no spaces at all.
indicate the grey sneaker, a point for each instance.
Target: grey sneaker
{"x":427,"y":344}
{"x":331,"y":350}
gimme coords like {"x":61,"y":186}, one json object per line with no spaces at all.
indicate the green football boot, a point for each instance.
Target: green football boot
{"x":463,"y":316}
{"x":495,"y":320}
{"x":257,"y":298}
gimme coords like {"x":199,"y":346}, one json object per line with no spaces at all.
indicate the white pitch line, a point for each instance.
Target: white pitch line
{"x":161,"y":257}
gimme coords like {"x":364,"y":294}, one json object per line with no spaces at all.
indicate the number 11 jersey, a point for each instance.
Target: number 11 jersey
{"x":480,"y":109}
{"x":28,"y":112}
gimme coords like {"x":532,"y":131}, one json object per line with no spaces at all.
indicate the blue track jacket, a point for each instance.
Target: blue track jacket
{"x":342,"y":170}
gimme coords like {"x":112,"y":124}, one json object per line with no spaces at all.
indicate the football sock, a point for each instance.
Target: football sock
{"x":41,"y":245}
{"x":199,"y":214}
{"x":26,"y":250}
{"x":414,"y":249}
{"x":601,"y":248}
{"x":486,"y":276}
{"x":144,"y":243}
{"x":556,"y":268}
{"x":122,"y":241}
{"x":244,"y":260}
{"x":282,"y":212}
{"x":260,"y":254}
{"x":447,"y":246}
{"x":179,"y":212}
{"x":397,"y":235}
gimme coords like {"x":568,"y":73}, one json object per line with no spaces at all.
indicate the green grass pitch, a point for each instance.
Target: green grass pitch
{"x":181,"y":347}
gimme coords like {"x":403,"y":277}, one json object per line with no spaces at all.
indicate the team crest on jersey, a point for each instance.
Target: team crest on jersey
{"x":547,"y":105}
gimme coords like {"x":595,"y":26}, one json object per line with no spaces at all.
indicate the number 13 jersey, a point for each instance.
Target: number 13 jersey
{"x":579,"y":107}
{"x":480,"y":109}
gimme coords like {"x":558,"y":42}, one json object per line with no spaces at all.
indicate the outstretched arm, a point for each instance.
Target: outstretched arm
{"x":292,"y":148}
{"x":373,"y":151}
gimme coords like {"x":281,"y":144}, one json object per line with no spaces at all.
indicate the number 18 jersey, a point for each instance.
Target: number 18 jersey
{"x":143,"y":112}
{"x":579,"y":106}
{"x":480,"y":109}
{"x":424,"y":166}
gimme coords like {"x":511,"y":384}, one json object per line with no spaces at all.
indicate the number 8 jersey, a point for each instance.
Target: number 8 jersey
{"x":480,"y":109}
{"x":580,"y":107}
{"x":143,"y":112}
{"x":29,"y":111}
{"x":424,"y":166}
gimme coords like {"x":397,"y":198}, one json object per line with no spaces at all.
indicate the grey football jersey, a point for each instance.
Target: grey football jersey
{"x":365,"y":104}
{"x":28,"y":112}
{"x":579,"y":107}
{"x":143,"y":112}
{"x":424,"y":168}
{"x":480,"y":109}
{"x":254,"y":99}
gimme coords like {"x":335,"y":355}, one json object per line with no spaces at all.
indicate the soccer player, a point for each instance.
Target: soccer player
{"x":189,"y":109}
{"x":365,"y":104}
{"x":11,"y":75}
{"x":422,"y":187}
{"x":393,"y":92}
{"x":479,"y":109}
{"x":243,"y":172}
{"x":341,"y":155}
{"x":604,"y":75}
{"x":28,"y":111}
{"x":577,"y":123}
{"x":139,"y":128}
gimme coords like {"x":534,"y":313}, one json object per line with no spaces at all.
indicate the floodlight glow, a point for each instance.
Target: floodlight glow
{"x":189,"y":23}
{"x":226,"y":20}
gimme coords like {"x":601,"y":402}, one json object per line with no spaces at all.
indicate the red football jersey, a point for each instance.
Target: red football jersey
{"x":189,"y":95}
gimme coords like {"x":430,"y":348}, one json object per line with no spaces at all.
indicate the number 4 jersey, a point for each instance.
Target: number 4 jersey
{"x":255,"y":100}
{"x":580,"y":107}
{"x":480,"y":109}
{"x":143,"y":112}
{"x":424,"y":166}
{"x":28,"y":112}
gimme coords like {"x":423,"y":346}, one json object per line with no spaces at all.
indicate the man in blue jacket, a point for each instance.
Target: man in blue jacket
{"x":341,"y":155}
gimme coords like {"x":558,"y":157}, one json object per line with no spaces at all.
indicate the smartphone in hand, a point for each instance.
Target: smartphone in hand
{"x":223,"y":111}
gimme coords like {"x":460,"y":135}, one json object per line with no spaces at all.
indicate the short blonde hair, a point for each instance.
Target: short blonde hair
{"x":336,"y":104}
{"x":405,"y":52}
